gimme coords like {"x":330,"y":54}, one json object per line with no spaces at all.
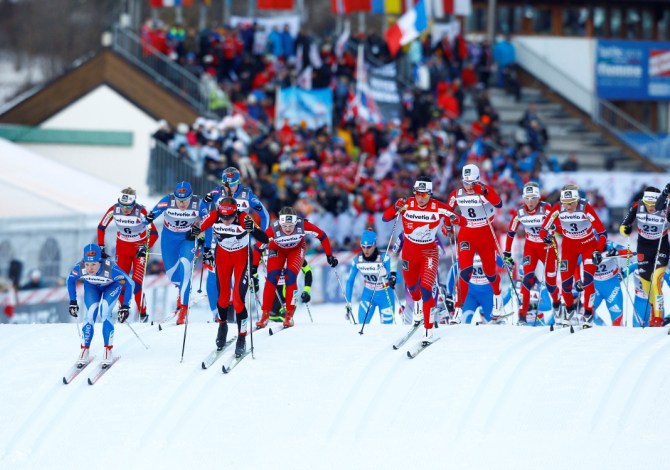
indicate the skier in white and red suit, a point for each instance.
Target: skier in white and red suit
{"x":421,"y":220}
{"x":132,"y":242}
{"x":231,"y":229}
{"x":477,"y":202}
{"x":286,"y":251}
{"x":576,"y":220}
{"x":531,"y":215}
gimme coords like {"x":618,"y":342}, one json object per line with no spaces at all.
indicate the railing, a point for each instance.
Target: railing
{"x":160,"y":67}
{"x":601,"y":111}
{"x":167,"y":168}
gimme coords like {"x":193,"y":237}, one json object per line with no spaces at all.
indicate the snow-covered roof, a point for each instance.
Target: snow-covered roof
{"x":39,"y":186}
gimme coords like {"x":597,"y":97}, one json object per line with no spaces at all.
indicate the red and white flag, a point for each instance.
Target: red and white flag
{"x":441,"y":8}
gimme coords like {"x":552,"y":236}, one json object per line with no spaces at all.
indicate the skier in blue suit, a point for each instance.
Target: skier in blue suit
{"x":247,"y":201}
{"x":182,"y":212}
{"x":103,"y":283}
{"x":374,"y":266}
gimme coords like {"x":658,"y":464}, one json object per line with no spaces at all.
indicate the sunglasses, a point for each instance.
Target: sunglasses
{"x":228,"y":216}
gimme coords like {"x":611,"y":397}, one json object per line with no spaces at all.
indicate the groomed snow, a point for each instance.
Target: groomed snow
{"x":322,"y":396}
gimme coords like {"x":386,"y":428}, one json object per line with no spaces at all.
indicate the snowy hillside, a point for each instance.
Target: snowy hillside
{"x":322,"y":396}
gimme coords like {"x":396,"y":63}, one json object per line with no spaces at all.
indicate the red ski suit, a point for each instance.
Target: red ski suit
{"x":131,"y":233}
{"x":577,"y":229}
{"x":419,"y":256}
{"x":476,"y":235}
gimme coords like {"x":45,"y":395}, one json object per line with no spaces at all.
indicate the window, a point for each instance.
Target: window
{"x":615,"y":23}
{"x":633,"y":22}
{"x":599,"y":22}
{"x":477,"y":20}
{"x":541,"y":21}
{"x":647,"y":25}
{"x":49,"y":260}
{"x":574,"y":21}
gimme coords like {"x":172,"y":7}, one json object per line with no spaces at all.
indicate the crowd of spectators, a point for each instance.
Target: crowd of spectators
{"x":343,"y":178}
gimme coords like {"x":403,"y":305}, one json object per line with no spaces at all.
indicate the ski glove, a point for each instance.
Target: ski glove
{"x":666,"y":190}
{"x":625,"y":230}
{"x":332,"y":261}
{"x":208,"y":257}
{"x":400,"y":205}
{"x":150,"y":217}
{"x":612,"y":252}
{"x":579,"y":286}
{"x":597,"y":257}
{"x":392,"y":279}
{"x":479,"y":188}
{"x":74,"y":308}
{"x":103,"y":255}
{"x":305,"y":297}
{"x":193,"y":233}
{"x":141,"y":251}
{"x":548,"y":239}
{"x":209,"y":197}
{"x":449,"y":301}
{"x":349,"y":315}
{"x":507,"y":258}
{"x":124,"y":311}
{"x":248,"y":224}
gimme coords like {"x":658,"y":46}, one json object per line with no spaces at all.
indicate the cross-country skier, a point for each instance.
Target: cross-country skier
{"x":286,"y":249}
{"x":231,"y":229}
{"x":374,"y":266}
{"x":607,"y":280}
{"x":477,"y":203}
{"x":104,"y":282}
{"x":278,"y":312}
{"x":421,"y":217}
{"x":583,"y":234}
{"x":531,"y":216}
{"x":182,"y":210}
{"x":132,"y":242}
{"x":652,"y":229}
{"x":248,"y":203}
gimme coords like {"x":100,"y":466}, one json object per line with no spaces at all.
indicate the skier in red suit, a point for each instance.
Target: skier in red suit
{"x":421,"y":219}
{"x":132,"y":242}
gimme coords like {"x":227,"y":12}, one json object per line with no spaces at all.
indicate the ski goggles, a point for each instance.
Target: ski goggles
{"x":126,"y":201}
{"x":288,"y":220}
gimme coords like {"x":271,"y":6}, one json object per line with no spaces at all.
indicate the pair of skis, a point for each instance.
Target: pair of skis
{"x":418,"y":347}
{"x":99,"y":371}
{"x":216,"y":354}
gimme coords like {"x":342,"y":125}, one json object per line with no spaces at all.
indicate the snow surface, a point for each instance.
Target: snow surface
{"x":322,"y":396}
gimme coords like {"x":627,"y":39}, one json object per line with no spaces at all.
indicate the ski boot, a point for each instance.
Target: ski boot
{"x":278,"y":316}
{"x":288,"y":321}
{"x":587,"y":320}
{"x":241,"y":345}
{"x":181,"y":314}
{"x":83,"y":356}
{"x":107,"y":357}
{"x":417,"y":316}
{"x":569,"y":313}
{"x":666,"y":321}
{"x":221,"y":335}
{"x":522,"y":320}
{"x":656,"y":321}
{"x":456,"y":317}
{"x":263,"y":322}
{"x":427,"y":337}
{"x":498,"y":314}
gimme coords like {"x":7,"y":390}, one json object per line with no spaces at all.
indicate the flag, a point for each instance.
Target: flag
{"x":314,"y":56}
{"x":362,"y":107}
{"x":441,"y":8}
{"x":169,"y":3}
{"x":343,"y":7}
{"x":274,"y":4}
{"x":304,"y":80}
{"x":342,"y":40}
{"x":389,"y":7}
{"x":408,"y":27}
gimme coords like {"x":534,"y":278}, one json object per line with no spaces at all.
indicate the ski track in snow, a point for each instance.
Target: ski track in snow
{"x":342,"y":399}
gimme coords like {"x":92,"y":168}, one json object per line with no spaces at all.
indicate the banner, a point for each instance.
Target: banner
{"x":265,"y":26}
{"x":383,"y":91}
{"x":314,"y":108}
{"x":632,"y":70}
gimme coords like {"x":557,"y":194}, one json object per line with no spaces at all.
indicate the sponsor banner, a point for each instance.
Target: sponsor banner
{"x":383,"y":91}
{"x":314,"y":107}
{"x":632,"y":70}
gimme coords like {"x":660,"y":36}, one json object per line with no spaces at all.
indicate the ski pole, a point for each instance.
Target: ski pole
{"x":188,"y":307}
{"x":202,"y":272}
{"x":143,"y":301}
{"x":309,"y":312}
{"x":250,"y":328}
{"x":349,"y":311}
{"x":628,"y":253}
{"x":630,"y":298}
{"x":378,"y":280}
{"x":136,"y":335}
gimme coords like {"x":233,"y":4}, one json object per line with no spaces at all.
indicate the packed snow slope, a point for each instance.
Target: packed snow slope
{"x":320,"y":395}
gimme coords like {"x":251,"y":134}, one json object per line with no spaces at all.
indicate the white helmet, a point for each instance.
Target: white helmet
{"x":470,"y":173}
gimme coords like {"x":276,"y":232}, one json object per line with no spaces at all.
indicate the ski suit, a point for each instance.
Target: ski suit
{"x":101,"y":291}
{"x":176,"y":248}
{"x":607,"y":280}
{"x":534,"y":251}
{"x":419,"y":255}
{"x":131,"y":234}
{"x":475,"y":236}
{"x":376,"y":292}
{"x":247,"y":202}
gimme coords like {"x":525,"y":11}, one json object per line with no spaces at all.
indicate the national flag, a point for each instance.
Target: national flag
{"x":389,"y":7}
{"x":362,"y":107}
{"x":274,"y":4}
{"x":169,"y":3}
{"x":304,"y":80}
{"x":441,"y":8}
{"x":343,"y":7}
{"x":408,"y":27}
{"x":342,"y":40}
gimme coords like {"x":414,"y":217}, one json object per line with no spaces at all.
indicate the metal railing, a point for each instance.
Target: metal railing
{"x":167,"y":73}
{"x":603,"y":112}
{"x":167,"y":168}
